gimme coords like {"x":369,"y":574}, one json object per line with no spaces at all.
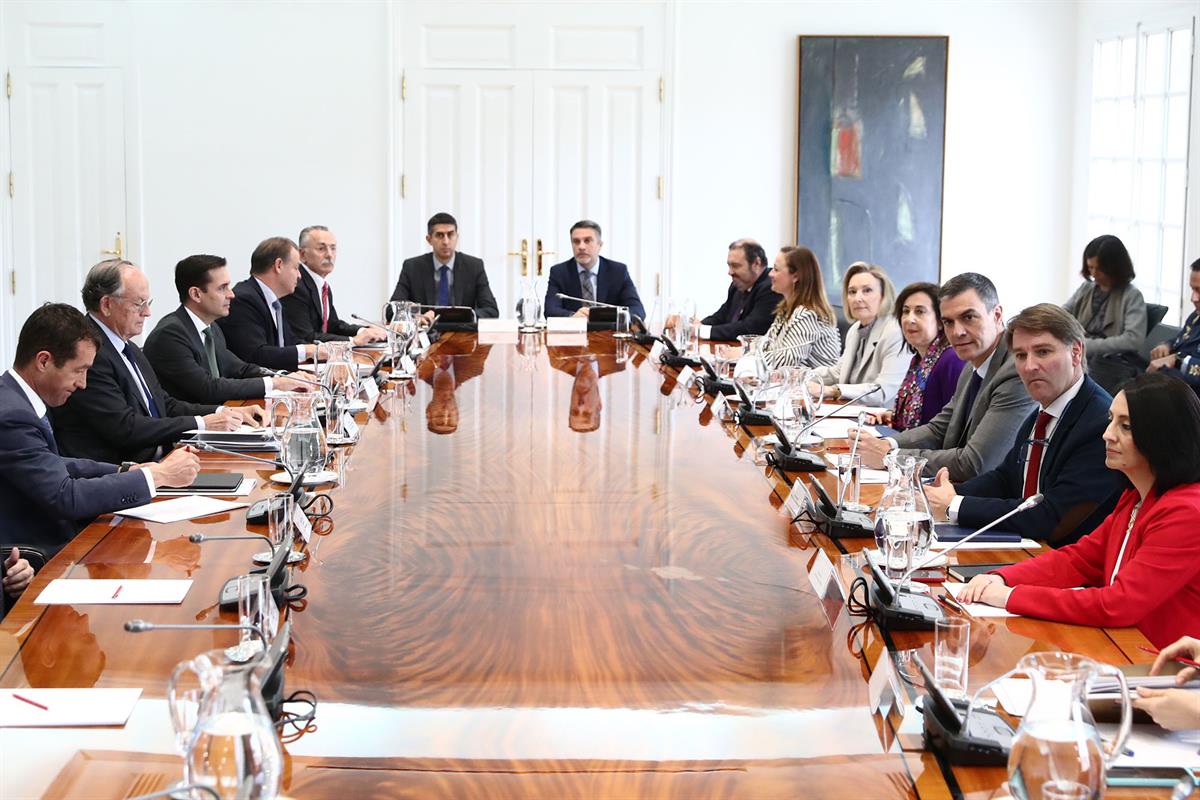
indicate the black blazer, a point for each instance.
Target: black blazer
{"x":418,"y":284}
{"x":754,"y":317}
{"x":46,"y":499}
{"x":109,"y":421}
{"x":1080,"y":491}
{"x":250,"y":330}
{"x":302,"y":310}
{"x":613,"y":285}
{"x":176,"y":351}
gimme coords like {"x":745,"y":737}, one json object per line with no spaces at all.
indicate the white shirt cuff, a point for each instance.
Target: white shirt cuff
{"x":149,"y":482}
{"x":706,"y":331}
{"x":300,"y":352}
{"x":892,"y":443}
{"x":952,"y":509}
{"x":199,"y":423}
{"x":266,"y":385}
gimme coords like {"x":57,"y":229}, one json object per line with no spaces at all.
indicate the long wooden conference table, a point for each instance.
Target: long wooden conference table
{"x":507,"y":604}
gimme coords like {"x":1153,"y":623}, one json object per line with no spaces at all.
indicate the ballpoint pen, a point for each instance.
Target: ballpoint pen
{"x":1187,"y":662}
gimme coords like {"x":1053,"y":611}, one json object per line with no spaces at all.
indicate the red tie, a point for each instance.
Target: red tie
{"x":325,"y":292}
{"x":1035,"y":454}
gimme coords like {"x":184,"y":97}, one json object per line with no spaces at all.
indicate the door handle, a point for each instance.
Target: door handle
{"x":524,"y":254}
{"x":118,"y":250}
{"x":540,"y":253}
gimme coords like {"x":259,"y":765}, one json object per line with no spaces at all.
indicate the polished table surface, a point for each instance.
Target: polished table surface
{"x":511,"y":603}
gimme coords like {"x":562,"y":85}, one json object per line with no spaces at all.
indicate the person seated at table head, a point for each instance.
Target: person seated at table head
{"x":46,"y":498}
{"x":971,"y":434}
{"x":1181,"y":355}
{"x":1141,"y":566}
{"x":874,"y":351}
{"x":1174,"y":709}
{"x":188,"y":351}
{"x":1110,"y":308}
{"x":444,"y":276}
{"x":1058,"y":450}
{"x":123,"y":414}
{"x":749,"y":305}
{"x":591,"y":276}
{"x":804,"y":331}
{"x":310,"y":310}
{"x":256,"y":329}
{"x":934,"y":367}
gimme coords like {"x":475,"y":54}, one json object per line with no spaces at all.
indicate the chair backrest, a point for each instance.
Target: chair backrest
{"x":842,"y":325}
{"x":1154,"y":315}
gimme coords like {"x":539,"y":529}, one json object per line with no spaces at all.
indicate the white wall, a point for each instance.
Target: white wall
{"x":1010,"y":109}
{"x":257,"y":120}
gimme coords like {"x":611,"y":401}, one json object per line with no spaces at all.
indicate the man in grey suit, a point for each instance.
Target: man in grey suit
{"x":446,"y":277}
{"x":972,"y":433}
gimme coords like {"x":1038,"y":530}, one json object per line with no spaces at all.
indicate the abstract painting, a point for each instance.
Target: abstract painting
{"x":871,"y":144}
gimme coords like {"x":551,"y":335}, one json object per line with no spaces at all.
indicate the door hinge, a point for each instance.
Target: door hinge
{"x":12,"y":282}
{"x":403,"y":86}
{"x":8,"y":84}
{"x":662,"y":90}
{"x":403,"y":186}
{"x":661,"y":184}
{"x":12,"y":186}
{"x":658,"y":284}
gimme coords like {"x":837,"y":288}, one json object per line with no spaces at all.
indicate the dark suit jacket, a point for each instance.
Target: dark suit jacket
{"x":109,"y":421}
{"x":613,"y":285}
{"x":302,"y":309}
{"x":754,"y":317}
{"x":1080,"y":491}
{"x":44,"y":498}
{"x":250,"y":330}
{"x":418,"y":284}
{"x":176,"y":351}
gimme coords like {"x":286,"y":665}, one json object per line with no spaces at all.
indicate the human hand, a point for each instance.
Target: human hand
{"x":293,"y":382}
{"x":671,"y":321}
{"x":1169,"y":361}
{"x":179,"y":468}
{"x":1173,"y":709}
{"x":940,"y":493}
{"x":18,"y":574}
{"x":223,"y":420}
{"x":1160,"y":351}
{"x":254,"y":416}
{"x":583,"y":311}
{"x":871,"y":447}
{"x":369,"y":334}
{"x":1185,"y":647}
{"x":977,"y":588}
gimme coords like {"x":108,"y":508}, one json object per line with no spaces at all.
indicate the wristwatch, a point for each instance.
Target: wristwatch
{"x":837,"y":392}
{"x":126,"y":466}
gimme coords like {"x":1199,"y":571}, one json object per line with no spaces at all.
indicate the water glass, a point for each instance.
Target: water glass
{"x":849,"y":478}
{"x":256,"y":608}
{"x":621,"y":329}
{"x":951,"y":651}
{"x":279,"y":518}
{"x":899,"y":538}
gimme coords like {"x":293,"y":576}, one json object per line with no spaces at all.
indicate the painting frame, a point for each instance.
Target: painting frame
{"x":870,"y":163}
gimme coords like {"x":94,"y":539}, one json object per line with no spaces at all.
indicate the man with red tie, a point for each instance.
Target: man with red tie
{"x":309,"y":310}
{"x":1058,"y":452}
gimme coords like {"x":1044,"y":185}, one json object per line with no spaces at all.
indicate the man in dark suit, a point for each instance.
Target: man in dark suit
{"x":45,"y":498}
{"x":188,"y":351}
{"x":971,"y":434}
{"x":1058,"y":451}
{"x":445,"y":277}
{"x":590,"y":276}
{"x":749,"y":307}
{"x":309,"y":310}
{"x":123,"y":414}
{"x":256,"y":329}
{"x":1181,"y":356}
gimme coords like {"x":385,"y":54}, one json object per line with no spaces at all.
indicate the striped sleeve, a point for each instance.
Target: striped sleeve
{"x":803,"y":341}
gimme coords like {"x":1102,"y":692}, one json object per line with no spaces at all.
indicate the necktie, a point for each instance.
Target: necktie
{"x":151,"y":406}
{"x":443,"y":286}
{"x":210,"y":349}
{"x":326,"y":302}
{"x":968,"y":405}
{"x":1034,"y":466}
{"x":278,"y":308}
{"x":585,"y":285}
{"x":45,"y":423}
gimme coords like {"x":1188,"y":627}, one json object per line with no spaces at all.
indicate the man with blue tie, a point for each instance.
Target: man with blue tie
{"x":256,"y":329}
{"x":46,"y":498}
{"x":123,"y":414}
{"x":590,"y":276}
{"x":445,"y":277}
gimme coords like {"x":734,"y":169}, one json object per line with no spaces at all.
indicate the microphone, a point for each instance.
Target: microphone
{"x":197,"y":538}
{"x":874,"y":387}
{"x":1024,"y":506}
{"x":370,"y":322}
{"x":562,"y":296}
{"x":791,"y":457}
{"x":208,"y":448}
{"x":283,"y":374}
{"x":862,"y":417}
{"x":142,"y":626}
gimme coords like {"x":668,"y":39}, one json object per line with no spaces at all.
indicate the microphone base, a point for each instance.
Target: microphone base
{"x":795,"y":460}
{"x":715,"y":386}
{"x":846,"y":525}
{"x":910,"y":612}
{"x":986,"y":744}
{"x":679,"y":362}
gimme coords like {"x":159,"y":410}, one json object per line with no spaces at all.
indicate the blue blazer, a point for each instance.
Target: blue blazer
{"x":250,"y":331}
{"x":1080,"y":491}
{"x":613,"y":285}
{"x":45,"y":498}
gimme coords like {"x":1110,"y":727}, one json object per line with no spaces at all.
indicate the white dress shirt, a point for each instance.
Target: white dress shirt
{"x":272,"y":299}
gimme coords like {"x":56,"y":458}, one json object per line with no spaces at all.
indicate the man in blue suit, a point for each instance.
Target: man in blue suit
{"x":1058,"y":452}
{"x":1181,"y":356}
{"x":590,"y":276}
{"x":46,"y":498}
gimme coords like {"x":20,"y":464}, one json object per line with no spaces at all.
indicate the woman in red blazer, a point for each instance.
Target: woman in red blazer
{"x":1141,"y":566}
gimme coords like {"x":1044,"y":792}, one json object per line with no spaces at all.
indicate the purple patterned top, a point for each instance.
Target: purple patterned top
{"x":928,"y":385}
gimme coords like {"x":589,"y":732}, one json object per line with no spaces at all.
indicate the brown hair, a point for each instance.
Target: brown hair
{"x":269,"y":251}
{"x":810,"y":288}
{"x":885,"y":287}
{"x":1047,"y":318}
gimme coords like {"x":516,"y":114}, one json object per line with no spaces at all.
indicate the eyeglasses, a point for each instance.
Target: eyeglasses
{"x":139,"y":306}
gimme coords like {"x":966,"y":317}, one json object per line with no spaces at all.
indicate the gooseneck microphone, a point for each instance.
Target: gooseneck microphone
{"x":198,"y":538}
{"x":208,"y":448}
{"x":874,"y":387}
{"x":142,"y":626}
{"x":562,"y":296}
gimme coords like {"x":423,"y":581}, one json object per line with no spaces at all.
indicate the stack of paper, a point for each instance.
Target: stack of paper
{"x":180,"y":509}
{"x":81,"y":591}
{"x":47,"y":708}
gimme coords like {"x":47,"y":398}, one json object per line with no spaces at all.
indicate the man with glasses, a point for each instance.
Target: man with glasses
{"x":123,"y":415}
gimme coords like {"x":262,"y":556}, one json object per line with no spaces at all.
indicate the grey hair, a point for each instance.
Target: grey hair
{"x":304,"y":233}
{"x":971,"y":280}
{"x":103,"y":280}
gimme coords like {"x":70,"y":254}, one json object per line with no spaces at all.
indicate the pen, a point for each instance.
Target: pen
{"x":952,"y":604}
{"x":1187,"y":662}
{"x":118,"y":591}
{"x":31,"y":702}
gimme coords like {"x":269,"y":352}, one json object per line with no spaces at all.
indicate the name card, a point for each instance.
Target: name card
{"x":407,"y":365}
{"x":797,"y":500}
{"x":566,"y":324}
{"x":497,"y":325}
{"x":685,"y":376}
{"x":720,"y":407}
{"x":423,"y":340}
{"x":349,"y":425}
{"x":656,"y":351}
{"x":823,"y":577}
{"x":303,"y":526}
{"x":370,"y":390}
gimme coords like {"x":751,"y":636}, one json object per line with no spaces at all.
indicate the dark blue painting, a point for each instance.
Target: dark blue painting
{"x":871,"y":145}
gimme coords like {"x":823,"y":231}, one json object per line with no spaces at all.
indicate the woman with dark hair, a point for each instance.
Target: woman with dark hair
{"x":933,"y":371}
{"x":804,"y":332}
{"x":1141,"y":566}
{"x":1109,"y":307}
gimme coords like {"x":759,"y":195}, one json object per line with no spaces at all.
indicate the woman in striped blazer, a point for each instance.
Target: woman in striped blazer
{"x":804,"y":332}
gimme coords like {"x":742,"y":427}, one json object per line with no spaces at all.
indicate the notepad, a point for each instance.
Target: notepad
{"x":181,"y":508}
{"x":976,"y":609}
{"x":113,"y":592}
{"x":66,"y":707}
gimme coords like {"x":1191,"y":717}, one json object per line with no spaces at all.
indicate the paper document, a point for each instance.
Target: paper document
{"x":181,"y":508}
{"x":976,"y":609}
{"x":1151,"y":746}
{"x":243,"y":430}
{"x":852,"y":410}
{"x":53,"y":708}
{"x":868,"y":476}
{"x":1024,"y":544}
{"x":113,"y":592}
{"x":1014,"y":694}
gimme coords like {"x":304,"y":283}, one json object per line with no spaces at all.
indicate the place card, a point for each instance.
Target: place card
{"x":685,"y":376}
{"x":301,"y":521}
{"x":349,"y":425}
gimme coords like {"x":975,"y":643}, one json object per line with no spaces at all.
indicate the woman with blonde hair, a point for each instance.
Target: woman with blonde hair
{"x":804,"y":332}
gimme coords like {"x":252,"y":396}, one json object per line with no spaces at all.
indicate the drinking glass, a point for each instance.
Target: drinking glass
{"x":256,"y":608}
{"x":951,"y":649}
{"x":621,"y":329}
{"x":279,"y":518}
{"x":849,"y":480}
